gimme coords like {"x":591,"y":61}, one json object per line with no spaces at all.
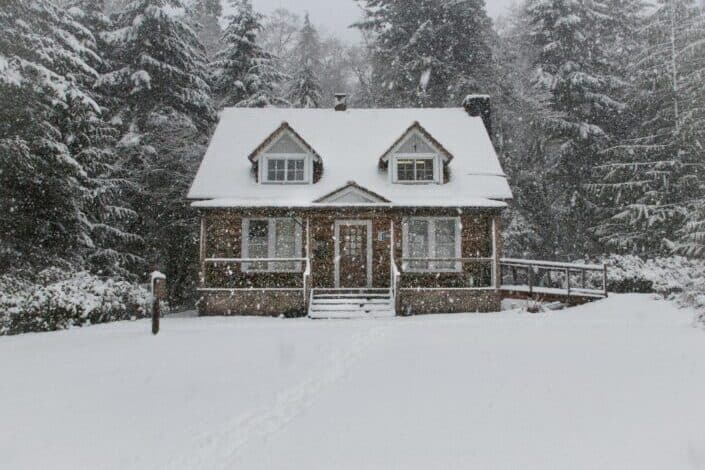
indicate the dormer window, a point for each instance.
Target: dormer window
{"x":416,"y":159}
{"x":415,"y":169}
{"x":286,"y":169}
{"x":286,"y":161}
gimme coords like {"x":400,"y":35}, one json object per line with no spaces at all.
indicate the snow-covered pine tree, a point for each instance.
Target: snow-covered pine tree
{"x":244,"y":74}
{"x":305,"y":88}
{"x":573,"y":64}
{"x":158,"y":62}
{"x":204,"y":16}
{"x":652,"y":178}
{"x":91,"y":140}
{"x":523,"y":121}
{"x":165,"y":117}
{"x":45,"y":57}
{"x":428,"y":52}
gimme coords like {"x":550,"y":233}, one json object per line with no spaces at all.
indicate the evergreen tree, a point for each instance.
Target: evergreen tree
{"x":573,"y":64}
{"x":305,"y":88}
{"x":204,"y":17}
{"x":428,"y":52}
{"x":45,"y":58}
{"x":652,"y":178}
{"x":91,"y":139}
{"x":165,"y":116}
{"x":244,"y":74}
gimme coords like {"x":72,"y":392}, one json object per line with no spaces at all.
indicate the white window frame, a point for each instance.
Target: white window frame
{"x":271,"y":245}
{"x":437,"y":158}
{"x":431,"y":227}
{"x":286,"y":157}
{"x":415,"y":156}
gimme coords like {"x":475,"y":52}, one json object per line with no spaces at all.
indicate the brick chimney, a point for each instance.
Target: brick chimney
{"x":341,"y":101}
{"x":479,"y":105}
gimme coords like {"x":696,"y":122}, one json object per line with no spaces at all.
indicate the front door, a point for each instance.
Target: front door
{"x":352,"y":255}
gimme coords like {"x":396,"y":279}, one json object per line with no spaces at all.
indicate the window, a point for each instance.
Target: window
{"x":271,"y":238}
{"x":285,"y":170}
{"x":416,"y":160}
{"x":415,"y":169}
{"x":431,"y":237}
{"x":286,"y":161}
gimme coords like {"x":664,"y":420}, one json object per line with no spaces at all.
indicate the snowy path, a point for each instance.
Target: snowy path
{"x":222,"y":449}
{"x":616,"y":384}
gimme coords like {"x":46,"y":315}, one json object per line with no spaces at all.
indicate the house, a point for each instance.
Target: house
{"x":341,"y":212}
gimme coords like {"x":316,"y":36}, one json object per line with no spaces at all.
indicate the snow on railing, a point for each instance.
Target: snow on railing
{"x":538,"y":275}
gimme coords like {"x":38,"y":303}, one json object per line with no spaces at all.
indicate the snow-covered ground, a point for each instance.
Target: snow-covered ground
{"x":616,"y":384}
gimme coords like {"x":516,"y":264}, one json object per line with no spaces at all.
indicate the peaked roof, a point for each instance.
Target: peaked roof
{"x":350,"y":144}
{"x":282,"y":129}
{"x":359,"y":190}
{"x":416,"y":127}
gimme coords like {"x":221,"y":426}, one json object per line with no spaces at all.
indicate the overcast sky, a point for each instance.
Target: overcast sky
{"x":337,"y":15}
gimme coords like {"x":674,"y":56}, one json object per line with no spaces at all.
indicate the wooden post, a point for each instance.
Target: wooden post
{"x":530,"y":274}
{"x":158,"y":285}
{"x":604,"y":278}
{"x":567,"y":280}
{"x":582,"y":273}
{"x":155,"y":316}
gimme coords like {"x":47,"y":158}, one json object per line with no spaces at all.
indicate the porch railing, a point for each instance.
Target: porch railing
{"x":549,"y":277}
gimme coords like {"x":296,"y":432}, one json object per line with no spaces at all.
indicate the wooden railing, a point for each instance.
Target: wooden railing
{"x":539,"y":279}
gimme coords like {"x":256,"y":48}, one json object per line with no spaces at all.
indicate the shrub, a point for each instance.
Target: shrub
{"x":677,"y":278}
{"x":56,"y":300}
{"x":665,"y":276}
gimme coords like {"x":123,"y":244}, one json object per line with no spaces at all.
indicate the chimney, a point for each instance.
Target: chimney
{"x":479,"y":105}
{"x":341,"y":101}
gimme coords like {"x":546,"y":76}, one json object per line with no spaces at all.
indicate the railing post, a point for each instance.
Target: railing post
{"x":530,"y":275}
{"x":604,"y":278}
{"x":567,"y":280}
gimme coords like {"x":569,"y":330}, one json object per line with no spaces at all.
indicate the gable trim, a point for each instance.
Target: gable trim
{"x":271,"y":138}
{"x":352,"y":187}
{"x":416,"y":127}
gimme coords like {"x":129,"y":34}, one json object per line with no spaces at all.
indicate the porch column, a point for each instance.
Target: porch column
{"x":496,"y":252}
{"x":202,"y":252}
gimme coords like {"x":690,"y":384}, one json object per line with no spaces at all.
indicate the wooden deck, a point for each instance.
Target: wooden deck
{"x":570,"y":283}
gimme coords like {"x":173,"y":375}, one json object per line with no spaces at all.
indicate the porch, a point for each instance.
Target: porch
{"x":372,"y":262}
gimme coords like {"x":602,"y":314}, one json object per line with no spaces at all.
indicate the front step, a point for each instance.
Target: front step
{"x":351,"y":303}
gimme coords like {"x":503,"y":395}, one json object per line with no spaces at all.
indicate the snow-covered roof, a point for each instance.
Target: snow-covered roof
{"x":350,"y":144}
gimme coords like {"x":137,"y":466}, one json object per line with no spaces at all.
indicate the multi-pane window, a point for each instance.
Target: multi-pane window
{"x":415,"y":169}
{"x":432,"y":238}
{"x":271,"y":238}
{"x":281,"y":170}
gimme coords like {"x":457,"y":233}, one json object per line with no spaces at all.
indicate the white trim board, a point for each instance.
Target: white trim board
{"x":336,"y":259}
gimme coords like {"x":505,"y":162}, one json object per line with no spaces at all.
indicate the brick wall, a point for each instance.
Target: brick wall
{"x":412,"y":302}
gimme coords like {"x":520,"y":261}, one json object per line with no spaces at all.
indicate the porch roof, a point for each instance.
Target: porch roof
{"x":350,"y":144}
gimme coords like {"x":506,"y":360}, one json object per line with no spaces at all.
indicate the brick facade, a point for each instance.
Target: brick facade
{"x":221,"y":238}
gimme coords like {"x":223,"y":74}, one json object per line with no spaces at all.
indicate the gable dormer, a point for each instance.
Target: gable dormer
{"x":286,"y":158}
{"x":416,"y":158}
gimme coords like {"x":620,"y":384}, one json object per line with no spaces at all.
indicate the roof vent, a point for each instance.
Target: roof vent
{"x":341,"y":101}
